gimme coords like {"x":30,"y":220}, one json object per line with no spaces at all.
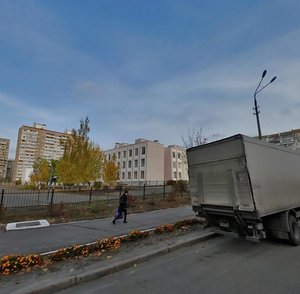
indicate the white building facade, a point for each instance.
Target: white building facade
{"x":175,"y":163}
{"x":148,"y":162}
{"x":139,"y":163}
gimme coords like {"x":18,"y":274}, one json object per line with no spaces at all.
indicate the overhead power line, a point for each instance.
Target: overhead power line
{"x":274,"y":122}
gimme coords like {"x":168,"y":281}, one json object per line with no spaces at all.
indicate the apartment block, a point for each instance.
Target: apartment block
{"x":4,"y":149}
{"x":140,"y":162}
{"x":33,"y":143}
{"x":10,"y":168}
{"x":290,"y":139}
{"x":175,"y":163}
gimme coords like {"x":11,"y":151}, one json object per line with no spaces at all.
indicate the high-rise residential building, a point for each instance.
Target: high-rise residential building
{"x":10,"y":168}
{"x":290,"y":139}
{"x":176,"y":167}
{"x":4,"y":149}
{"x":33,"y":143}
{"x":139,"y":163}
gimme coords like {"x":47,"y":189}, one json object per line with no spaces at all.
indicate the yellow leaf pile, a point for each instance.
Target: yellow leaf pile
{"x":14,"y":263}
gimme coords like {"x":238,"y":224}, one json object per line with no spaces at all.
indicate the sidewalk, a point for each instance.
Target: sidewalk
{"x":41,"y":240}
{"x":69,"y":273}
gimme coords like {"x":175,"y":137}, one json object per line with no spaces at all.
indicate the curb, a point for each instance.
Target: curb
{"x":64,"y":283}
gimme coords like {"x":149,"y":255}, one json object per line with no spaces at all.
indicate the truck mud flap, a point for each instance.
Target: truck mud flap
{"x":241,"y":222}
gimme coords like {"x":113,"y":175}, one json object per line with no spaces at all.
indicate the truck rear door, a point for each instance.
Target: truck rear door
{"x":222,"y":183}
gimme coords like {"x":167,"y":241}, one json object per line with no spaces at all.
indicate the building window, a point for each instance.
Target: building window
{"x":109,"y":157}
{"x":124,"y":154}
{"x":119,"y":155}
{"x":143,"y":150}
{"x":136,"y":163}
{"x":142,"y":162}
{"x":123,"y":176}
{"x":124,"y":164}
{"x":142,"y":174}
{"x":129,"y":163}
{"x":175,"y":175}
{"x":174,"y":154}
{"x":130,"y":152}
{"x":129,"y":176}
{"x":179,"y":175}
{"x":178,"y":155}
{"x":136,"y":151}
{"x":135,"y":175}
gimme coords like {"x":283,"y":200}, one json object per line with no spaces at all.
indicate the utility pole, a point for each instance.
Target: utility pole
{"x":259,"y":88}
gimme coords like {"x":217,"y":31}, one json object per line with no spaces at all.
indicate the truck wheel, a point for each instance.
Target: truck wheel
{"x":294,"y":231}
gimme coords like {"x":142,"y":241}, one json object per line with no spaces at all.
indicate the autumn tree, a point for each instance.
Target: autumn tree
{"x":110,"y":172}
{"x":82,"y":161}
{"x":41,"y":171}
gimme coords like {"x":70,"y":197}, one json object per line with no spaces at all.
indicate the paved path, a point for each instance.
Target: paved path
{"x":77,"y":271}
{"x":62,"y":235}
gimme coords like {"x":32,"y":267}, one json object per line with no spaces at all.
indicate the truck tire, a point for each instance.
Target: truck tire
{"x":294,"y":231}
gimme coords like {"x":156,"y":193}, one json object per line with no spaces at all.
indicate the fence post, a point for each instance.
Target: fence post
{"x":39,"y":190}
{"x":181,"y":189}
{"x":91,"y":191}
{"x":144,"y":192}
{"x":2,"y":198}
{"x":52,"y":195}
{"x":164,"y":190}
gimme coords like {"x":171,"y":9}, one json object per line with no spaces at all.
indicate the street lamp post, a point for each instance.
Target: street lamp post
{"x":259,"y":88}
{"x":50,"y":180}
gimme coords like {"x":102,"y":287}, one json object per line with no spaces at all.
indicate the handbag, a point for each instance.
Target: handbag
{"x":117,"y":215}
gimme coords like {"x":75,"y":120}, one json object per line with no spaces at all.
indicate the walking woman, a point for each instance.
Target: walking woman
{"x":122,"y":209}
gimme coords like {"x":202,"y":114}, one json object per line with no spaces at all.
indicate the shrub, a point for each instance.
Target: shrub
{"x":97,"y":185}
{"x":133,"y":235}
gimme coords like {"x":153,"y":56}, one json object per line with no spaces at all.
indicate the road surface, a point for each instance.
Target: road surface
{"x":220,"y":265}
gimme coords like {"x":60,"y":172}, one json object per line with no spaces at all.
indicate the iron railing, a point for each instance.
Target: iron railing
{"x":17,"y":200}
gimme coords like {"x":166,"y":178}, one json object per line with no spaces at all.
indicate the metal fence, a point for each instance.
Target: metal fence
{"x":12,"y":200}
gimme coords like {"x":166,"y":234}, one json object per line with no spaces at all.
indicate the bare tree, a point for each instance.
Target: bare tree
{"x":196,"y":138}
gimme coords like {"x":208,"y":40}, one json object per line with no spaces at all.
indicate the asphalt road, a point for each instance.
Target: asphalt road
{"x":220,"y":265}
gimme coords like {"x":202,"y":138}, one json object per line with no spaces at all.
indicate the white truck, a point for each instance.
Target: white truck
{"x":247,"y":188}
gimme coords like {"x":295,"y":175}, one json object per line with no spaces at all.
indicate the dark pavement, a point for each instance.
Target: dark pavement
{"x":77,"y":271}
{"x":42,"y":240}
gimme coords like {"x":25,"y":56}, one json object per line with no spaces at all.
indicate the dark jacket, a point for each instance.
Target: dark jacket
{"x":123,"y":201}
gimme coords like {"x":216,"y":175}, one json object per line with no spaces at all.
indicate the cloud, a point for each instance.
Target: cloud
{"x":154,"y":83}
{"x":24,"y":110}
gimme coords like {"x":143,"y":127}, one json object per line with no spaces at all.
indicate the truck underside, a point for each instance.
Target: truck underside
{"x":242,"y":224}
{"x":231,"y":222}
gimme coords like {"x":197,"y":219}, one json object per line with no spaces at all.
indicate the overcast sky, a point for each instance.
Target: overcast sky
{"x":148,"y":69}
